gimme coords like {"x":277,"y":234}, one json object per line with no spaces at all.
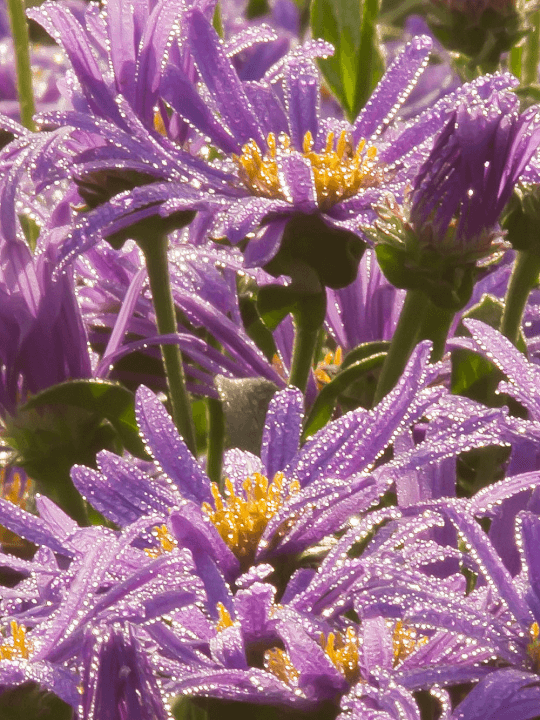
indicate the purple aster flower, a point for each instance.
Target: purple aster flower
{"x":85,"y":608}
{"x":282,"y":156}
{"x":471,"y":172}
{"x":450,"y":220}
{"x":278,"y":505}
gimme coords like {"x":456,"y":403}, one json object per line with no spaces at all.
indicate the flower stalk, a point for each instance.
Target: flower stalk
{"x":308,"y":315}
{"x":405,"y":338}
{"x":155,"y":253}
{"x":21,"y":44}
{"x":531,"y":52}
{"x":216,"y":439}
{"x":524,"y":276}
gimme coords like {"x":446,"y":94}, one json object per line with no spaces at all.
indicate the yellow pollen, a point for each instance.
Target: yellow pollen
{"x":166,"y":540}
{"x":533,"y":648}
{"x":19,"y":647}
{"x":225,"y":619}
{"x":279,"y":367}
{"x":279,"y":664}
{"x":18,"y":493}
{"x":339,"y":171}
{"x":328,"y":367}
{"x":406,"y":640}
{"x":159,"y":125}
{"x":242,"y":520}
{"x":343,"y":652}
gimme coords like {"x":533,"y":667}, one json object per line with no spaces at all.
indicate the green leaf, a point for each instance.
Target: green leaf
{"x":106,"y":400}
{"x":472,"y":375}
{"x":365,"y":350}
{"x":324,"y":406}
{"x":185,"y":709}
{"x":357,"y":65}
{"x":29,"y":701}
{"x":274,"y":303}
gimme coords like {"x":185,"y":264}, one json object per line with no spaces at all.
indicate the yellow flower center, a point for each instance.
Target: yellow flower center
{"x":225,"y":620}
{"x":166,"y":540}
{"x":279,"y":664}
{"x":328,"y":367}
{"x":533,"y":648}
{"x":17,"y":646}
{"x":241,"y":521}
{"x":343,"y":652}
{"x":18,"y":493}
{"x":405,"y":641}
{"x":159,"y":125}
{"x":339,"y":171}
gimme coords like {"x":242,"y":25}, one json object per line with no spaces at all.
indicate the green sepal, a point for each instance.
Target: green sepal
{"x":313,"y":254}
{"x":480,"y":40}
{"x":326,"y":401}
{"x":446,"y":281}
{"x":522,"y":220}
{"x":365,"y":350}
{"x":275,"y":302}
{"x":357,"y":64}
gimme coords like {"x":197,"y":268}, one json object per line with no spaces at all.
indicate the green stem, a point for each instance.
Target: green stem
{"x":515,"y":57}
{"x":523,"y":278}
{"x":309,"y":317}
{"x":531,"y":53}
{"x":19,"y":31}
{"x":437,"y":322}
{"x":405,"y":338}
{"x":155,"y":253}
{"x":216,"y":440}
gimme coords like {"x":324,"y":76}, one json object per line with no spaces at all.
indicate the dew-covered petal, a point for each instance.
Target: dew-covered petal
{"x":181,"y":95}
{"x":302,"y":99}
{"x":282,"y":429}
{"x":262,"y":248}
{"x":222,"y":81}
{"x":506,"y":694}
{"x":393,"y":90}
{"x":353,"y":442}
{"x":298,"y":182}
{"x":168,"y":448}
{"x":30,"y":527}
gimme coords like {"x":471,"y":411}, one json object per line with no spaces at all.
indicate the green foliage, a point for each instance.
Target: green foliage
{"x":29,"y":702}
{"x":368,"y":360}
{"x":103,"y":401}
{"x":356,"y":66}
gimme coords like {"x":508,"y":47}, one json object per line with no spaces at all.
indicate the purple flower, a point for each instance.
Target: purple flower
{"x":470,"y":174}
{"x":118,"y":680}
{"x":290,"y":498}
{"x":84,"y":607}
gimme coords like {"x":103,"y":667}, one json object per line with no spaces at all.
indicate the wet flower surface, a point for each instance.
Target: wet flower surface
{"x":243,"y":472}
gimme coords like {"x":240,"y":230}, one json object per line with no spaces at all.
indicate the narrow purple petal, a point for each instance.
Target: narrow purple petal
{"x":281,"y":435}
{"x":394,"y":88}
{"x":302,"y":98}
{"x":168,"y":448}
{"x":222,"y":81}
